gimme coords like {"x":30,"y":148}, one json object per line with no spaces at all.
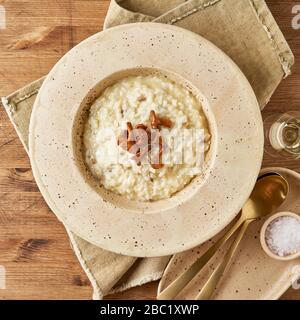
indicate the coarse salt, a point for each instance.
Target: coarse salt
{"x":283,"y":236}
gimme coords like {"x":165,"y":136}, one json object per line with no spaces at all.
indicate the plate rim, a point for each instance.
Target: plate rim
{"x":44,"y":190}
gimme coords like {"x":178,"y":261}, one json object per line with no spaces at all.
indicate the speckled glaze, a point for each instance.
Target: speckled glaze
{"x":193,"y":215}
{"x":252,"y":274}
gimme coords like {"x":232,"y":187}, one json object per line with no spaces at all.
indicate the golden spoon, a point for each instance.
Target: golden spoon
{"x":268,"y":194}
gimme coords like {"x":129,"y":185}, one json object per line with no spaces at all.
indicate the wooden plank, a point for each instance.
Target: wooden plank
{"x":34,"y":246}
{"x":17,"y":180}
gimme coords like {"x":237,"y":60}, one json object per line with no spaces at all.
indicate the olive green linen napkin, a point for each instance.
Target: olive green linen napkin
{"x":244,"y":29}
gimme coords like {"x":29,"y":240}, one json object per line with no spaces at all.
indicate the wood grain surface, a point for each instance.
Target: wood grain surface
{"x":34,"y":247}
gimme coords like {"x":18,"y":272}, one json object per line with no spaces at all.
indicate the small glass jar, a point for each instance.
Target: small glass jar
{"x":282,"y":134}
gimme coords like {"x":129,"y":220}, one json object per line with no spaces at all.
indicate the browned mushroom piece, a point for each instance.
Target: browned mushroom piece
{"x":141,"y":155}
{"x":123,"y":135}
{"x":129,"y":130}
{"x":141,"y":126}
{"x":141,"y":136}
{"x":122,"y":139}
{"x":157,"y":166}
{"x":141,"y":144}
{"x":160,"y":164}
{"x":137,"y":160}
{"x":132,"y":147}
{"x":141,"y":98}
{"x":153,"y":120}
{"x":129,"y":127}
{"x":149,"y":135}
{"x":154,"y":136}
{"x":165,"y":122}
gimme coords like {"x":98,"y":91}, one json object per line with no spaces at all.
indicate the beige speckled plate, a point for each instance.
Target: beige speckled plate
{"x":193,"y":215}
{"x":252,"y":274}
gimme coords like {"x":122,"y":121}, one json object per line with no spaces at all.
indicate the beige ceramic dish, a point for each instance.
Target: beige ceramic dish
{"x":253,"y":275}
{"x":191,"y":216}
{"x":263,"y":237}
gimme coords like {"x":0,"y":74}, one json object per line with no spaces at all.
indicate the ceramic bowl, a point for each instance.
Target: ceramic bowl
{"x":263,"y":242}
{"x":191,"y":216}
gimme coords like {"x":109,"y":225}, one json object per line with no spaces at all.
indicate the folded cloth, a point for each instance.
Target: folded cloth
{"x":244,"y":29}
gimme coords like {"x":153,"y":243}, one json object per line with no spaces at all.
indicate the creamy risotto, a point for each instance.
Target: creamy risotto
{"x":131,"y":100}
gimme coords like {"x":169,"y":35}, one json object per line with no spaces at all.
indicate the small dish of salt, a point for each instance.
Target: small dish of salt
{"x":280,"y":236}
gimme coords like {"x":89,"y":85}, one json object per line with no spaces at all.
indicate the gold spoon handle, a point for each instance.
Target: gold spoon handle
{"x":211,"y":284}
{"x":179,"y":283}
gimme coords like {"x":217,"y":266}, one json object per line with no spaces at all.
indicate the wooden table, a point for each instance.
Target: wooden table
{"x":34,"y":246}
